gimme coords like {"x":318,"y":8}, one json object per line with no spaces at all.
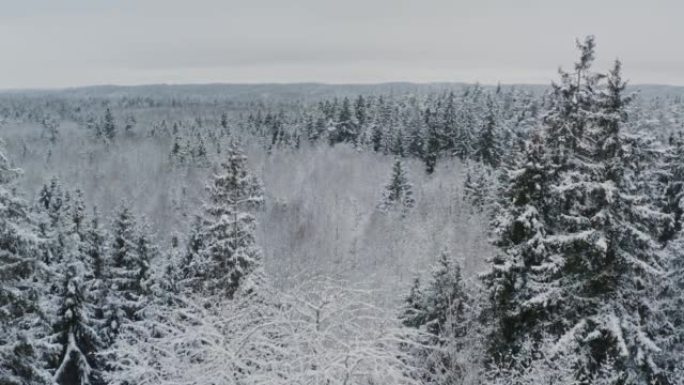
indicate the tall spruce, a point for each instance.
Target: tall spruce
{"x":23,"y":346}
{"x":588,"y":290}
{"x":109,"y":125}
{"x":517,"y":271}
{"x":488,"y":150}
{"x":229,"y":253}
{"x":129,"y":273}
{"x":441,"y":310}
{"x":398,"y":194}
{"x":77,"y":361}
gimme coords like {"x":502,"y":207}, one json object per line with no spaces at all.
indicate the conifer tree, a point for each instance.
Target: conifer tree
{"x":398,"y":144}
{"x":190,"y":263}
{"x":517,"y":271}
{"x":108,"y":125}
{"x":441,"y":309}
{"x":229,"y":253}
{"x":449,"y":124}
{"x":674,"y":187}
{"x":416,"y":145}
{"x":432,"y":149}
{"x":477,"y":187}
{"x":377,"y":137}
{"x":488,"y":149}
{"x":77,"y":361}
{"x":96,"y":280}
{"x":398,"y":193}
{"x":587,"y":290}
{"x":24,"y":323}
{"x":129,"y":272}
{"x":345,"y":128}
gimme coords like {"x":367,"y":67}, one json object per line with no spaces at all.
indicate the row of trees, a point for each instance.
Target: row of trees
{"x":72,"y":290}
{"x":586,"y":286}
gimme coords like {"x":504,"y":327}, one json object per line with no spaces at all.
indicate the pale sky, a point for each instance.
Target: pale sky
{"x":62,"y":43}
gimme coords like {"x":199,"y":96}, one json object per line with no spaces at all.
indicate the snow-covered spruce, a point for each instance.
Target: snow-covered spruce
{"x":227,"y":252}
{"x":398,"y":194}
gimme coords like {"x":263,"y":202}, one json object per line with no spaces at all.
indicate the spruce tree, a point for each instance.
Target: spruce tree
{"x":398,"y":193}
{"x":129,"y":272}
{"x":24,"y":323}
{"x":488,"y":149}
{"x":108,"y":125}
{"x":517,"y":271}
{"x":191,"y":263}
{"x":599,"y":260}
{"x":674,"y":187}
{"x":432,"y":149}
{"x":77,"y":361}
{"x":96,"y":280}
{"x":345,"y":128}
{"x":229,"y":253}
{"x":441,"y":310}
{"x":377,"y":137}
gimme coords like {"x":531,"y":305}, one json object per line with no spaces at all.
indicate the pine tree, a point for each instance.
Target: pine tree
{"x":229,"y":253}
{"x":398,"y":193}
{"x":24,"y":324}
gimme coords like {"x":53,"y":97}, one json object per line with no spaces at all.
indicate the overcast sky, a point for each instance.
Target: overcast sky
{"x":50,"y":43}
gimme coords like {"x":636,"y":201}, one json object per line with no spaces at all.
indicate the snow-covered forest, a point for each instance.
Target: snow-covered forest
{"x":355,"y":235}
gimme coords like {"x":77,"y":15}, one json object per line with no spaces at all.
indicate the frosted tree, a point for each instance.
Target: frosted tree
{"x":443,"y":311}
{"x":129,"y":272}
{"x":518,"y":270}
{"x":488,"y":149}
{"x":190,"y":263}
{"x":602,"y":259}
{"x":345,"y":127}
{"x":96,"y":280}
{"x":432,"y":149}
{"x":77,"y":361}
{"x":579,"y":254}
{"x":23,"y":346}
{"x":571,"y":102}
{"x":108,"y":125}
{"x":228,"y":251}
{"x":478,"y":187}
{"x":52,"y":219}
{"x":398,"y":193}
{"x":320,"y":332}
{"x":674,"y":186}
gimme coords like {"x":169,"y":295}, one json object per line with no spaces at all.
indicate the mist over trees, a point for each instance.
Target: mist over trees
{"x":401,"y":234}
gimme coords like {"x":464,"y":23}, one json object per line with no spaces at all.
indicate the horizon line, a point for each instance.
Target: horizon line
{"x":294,"y":83}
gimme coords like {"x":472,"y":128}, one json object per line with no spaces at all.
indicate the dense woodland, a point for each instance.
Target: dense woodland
{"x":309,"y":234}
